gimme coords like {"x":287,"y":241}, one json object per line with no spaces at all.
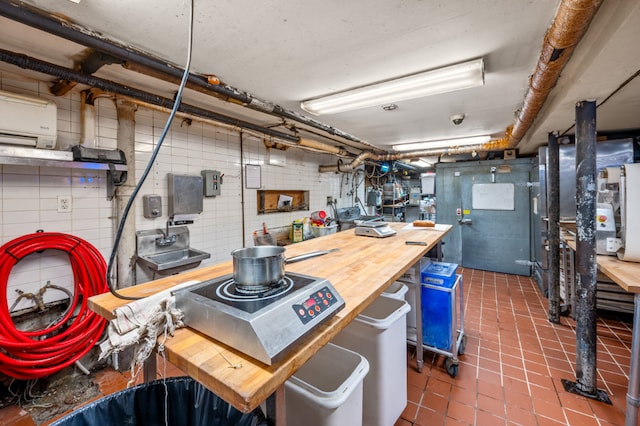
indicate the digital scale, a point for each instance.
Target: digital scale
{"x":374,"y":229}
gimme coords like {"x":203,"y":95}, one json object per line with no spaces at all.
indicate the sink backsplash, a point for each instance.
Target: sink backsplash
{"x":147,"y":240}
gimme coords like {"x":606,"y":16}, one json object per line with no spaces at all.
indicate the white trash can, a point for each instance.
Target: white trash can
{"x":327,"y":389}
{"x":379,"y":333}
{"x":404,"y":291}
{"x":396,"y":290}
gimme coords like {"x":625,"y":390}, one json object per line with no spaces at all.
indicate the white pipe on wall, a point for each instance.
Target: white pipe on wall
{"x":126,"y":260}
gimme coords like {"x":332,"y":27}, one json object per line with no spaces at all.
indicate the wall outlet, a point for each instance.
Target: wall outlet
{"x":64,"y":203}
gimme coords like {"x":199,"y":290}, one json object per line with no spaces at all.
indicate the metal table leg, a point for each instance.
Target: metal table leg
{"x":563,"y":262}
{"x":418,"y":308}
{"x":572,"y":267}
{"x":149,"y":368}
{"x":276,"y":415}
{"x":633,"y":402}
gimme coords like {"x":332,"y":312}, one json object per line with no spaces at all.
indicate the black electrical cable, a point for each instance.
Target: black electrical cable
{"x":127,"y":208}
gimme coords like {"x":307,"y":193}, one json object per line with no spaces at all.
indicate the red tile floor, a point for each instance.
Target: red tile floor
{"x":514,"y":360}
{"x":509,"y":374}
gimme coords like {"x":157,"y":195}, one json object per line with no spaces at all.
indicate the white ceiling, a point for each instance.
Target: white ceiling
{"x":288,"y":51}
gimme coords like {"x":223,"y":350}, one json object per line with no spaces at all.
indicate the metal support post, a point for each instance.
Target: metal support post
{"x":586,"y":260}
{"x":553,"y":173}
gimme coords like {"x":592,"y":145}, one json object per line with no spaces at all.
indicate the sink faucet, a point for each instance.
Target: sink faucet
{"x":167,"y":239}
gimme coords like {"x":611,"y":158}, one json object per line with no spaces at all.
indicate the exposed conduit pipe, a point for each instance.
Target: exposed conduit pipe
{"x":305,"y":144}
{"x":160,"y":69}
{"x":158,"y":102}
{"x":275,"y":109}
{"x":494,"y":145}
{"x":29,"y":63}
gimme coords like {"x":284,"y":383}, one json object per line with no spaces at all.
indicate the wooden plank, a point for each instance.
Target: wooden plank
{"x":268,"y":200}
{"x":360,"y":271}
{"x":625,"y":274}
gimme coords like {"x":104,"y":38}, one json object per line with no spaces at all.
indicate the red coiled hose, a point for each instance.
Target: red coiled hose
{"x":33,"y":354}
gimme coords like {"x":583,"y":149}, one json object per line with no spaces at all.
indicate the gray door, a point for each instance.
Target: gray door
{"x":494,"y":221}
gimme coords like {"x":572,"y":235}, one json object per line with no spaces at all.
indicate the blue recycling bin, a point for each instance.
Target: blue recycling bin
{"x":438,"y":280}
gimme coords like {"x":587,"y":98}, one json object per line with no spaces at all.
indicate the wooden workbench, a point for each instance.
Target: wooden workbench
{"x":360,"y":271}
{"x":627,"y":276}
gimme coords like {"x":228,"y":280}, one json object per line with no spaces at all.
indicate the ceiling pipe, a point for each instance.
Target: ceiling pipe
{"x":493,"y":145}
{"x":569,"y":26}
{"x":153,"y":101}
{"x":329,"y":149}
{"x":160,"y":69}
{"x":29,"y":63}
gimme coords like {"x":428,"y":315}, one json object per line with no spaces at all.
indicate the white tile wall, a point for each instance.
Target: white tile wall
{"x":28,"y":195}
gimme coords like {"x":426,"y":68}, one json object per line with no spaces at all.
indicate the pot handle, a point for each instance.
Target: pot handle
{"x":309,"y":255}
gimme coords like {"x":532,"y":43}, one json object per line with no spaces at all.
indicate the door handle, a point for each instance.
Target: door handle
{"x":466,"y":221}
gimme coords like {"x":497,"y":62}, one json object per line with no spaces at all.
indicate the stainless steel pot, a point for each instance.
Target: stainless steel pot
{"x":264,"y":265}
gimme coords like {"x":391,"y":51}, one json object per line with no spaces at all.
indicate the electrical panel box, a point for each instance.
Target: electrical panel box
{"x":151,"y":206}
{"x":212,"y":181}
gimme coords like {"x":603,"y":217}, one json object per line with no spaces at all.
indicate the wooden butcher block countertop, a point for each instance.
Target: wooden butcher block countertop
{"x":625,"y":274}
{"x":360,"y":271}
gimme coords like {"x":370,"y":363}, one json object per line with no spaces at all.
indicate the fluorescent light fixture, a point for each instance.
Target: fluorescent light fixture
{"x":441,"y":80}
{"x":445,"y":143}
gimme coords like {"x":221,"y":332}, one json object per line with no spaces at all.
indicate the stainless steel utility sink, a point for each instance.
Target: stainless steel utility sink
{"x":167,"y":252}
{"x":172,"y":262}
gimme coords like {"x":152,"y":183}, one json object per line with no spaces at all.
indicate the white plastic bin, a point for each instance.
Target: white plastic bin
{"x":327,"y":389}
{"x":396,"y":290}
{"x":379,"y":333}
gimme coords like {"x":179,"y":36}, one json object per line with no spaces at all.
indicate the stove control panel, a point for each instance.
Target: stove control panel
{"x":315,"y":305}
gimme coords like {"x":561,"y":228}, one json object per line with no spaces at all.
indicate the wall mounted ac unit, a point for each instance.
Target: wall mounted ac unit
{"x":27,"y":121}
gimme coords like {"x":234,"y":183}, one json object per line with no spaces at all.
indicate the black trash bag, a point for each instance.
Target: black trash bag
{"x":187,"y":403}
